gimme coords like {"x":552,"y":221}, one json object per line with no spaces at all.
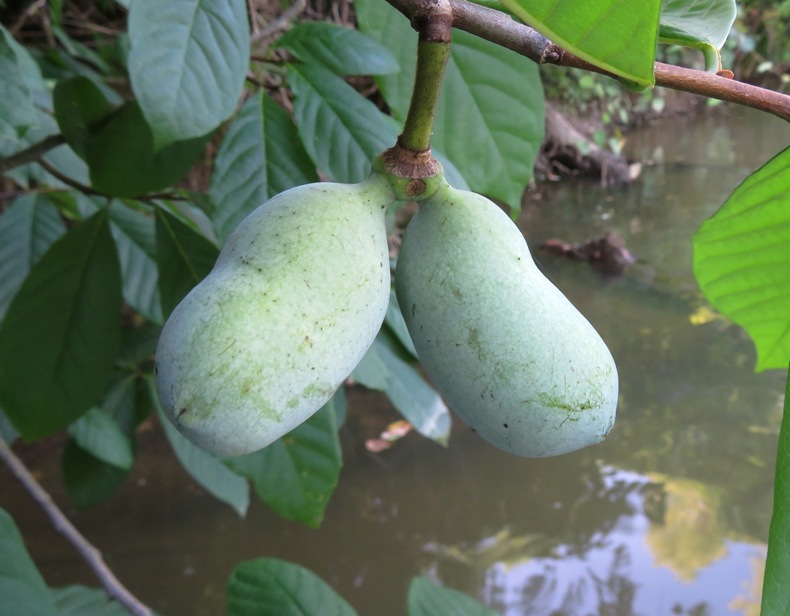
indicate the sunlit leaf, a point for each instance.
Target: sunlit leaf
{"x":187,"y":63}
{"x":98,"y":434}
{"x":272,"y":586}
{"x":261,"y":155}
{"x":699,"y":24}
{"x":62,"y":331}
{"x":742,"y":260}
{"x":17,"y":112}
{"x":428,"y":599}
{"x":78,"y":600}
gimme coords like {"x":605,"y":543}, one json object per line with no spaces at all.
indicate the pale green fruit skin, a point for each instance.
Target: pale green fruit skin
{"x":506,"y":349}
{"x":294,"y":301}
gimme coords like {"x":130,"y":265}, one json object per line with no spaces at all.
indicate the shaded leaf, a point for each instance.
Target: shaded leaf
{"x":616,"y":35}
{"x":17,"y":112}
{"x":383,"y":369}
{"x":27,"y":229}
{"x":79,"y":104}
{"x":205,"y":469}
{"x":187,"y":63}
{"x":428,"y":599}
{"x":79,"y":600}
{"x":273,"y":587}
{"x":7,"y":430}
{"x":88,"y":480}
{"x":261,"y":155}
{"x":98,"y":434}
{"x":699,"y":24}
{"x":341,"y":50}
{"x":22,"y":589}
{"x":776,"y":591}
{"x":342,"y":130}
{"x":62,"y":331}
{"x":394,"y":319}
{"x":742,"y":260}
{"x":297,"y":473}
{"x":184,"y":257}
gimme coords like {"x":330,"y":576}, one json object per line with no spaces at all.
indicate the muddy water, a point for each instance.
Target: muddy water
{"x":669,"y":515}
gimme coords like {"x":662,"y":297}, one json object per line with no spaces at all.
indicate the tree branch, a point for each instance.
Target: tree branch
{"x":31,"y":154}
{"x":89,"y":553}
{"x":500,"y":29}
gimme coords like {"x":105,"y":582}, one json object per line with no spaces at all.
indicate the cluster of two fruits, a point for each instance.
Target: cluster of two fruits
{"x":299,"y":293}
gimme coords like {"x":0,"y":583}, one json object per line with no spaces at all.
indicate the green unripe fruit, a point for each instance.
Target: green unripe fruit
{"x":506,"y":349}
{"x":294,"y":301}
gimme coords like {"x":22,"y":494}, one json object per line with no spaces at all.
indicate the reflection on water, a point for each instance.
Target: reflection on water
{"x":668,"y":516}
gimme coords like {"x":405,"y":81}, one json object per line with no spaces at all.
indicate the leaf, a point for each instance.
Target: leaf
{"x":428,"y":599}
{"x":7,"y":430}
{"x":742,"y":260}
{"x":187,"y":63}
{"x":62,"y":331}
{"x":297,"y":473}
{"x":79,"y":105}
{"x":184,"y":259}
{"x":205,"y":469}
{"x":699,"y":24}
{"x":261,"y":155}
{"x":98,"y":434}
{"x":135,"y":239}
{"x":273,"y":587}
{"x":76,"y":600}
{"x":22,"y":589}
{"x":27,"y":229}
{"x":121,"y":157}
{"x":394,"y":320}
{"x":493,"y":93}
{"x":88,"y":480}
{"x":616,"y":35}
{"x":382,"y":369}
{"x":342,"y":130}
{"x":340,"y":50}
{"x":17,"y":112}
{"x":776,"y":592}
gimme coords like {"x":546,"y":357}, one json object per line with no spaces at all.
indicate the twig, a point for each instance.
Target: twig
{"x":31,"y":154}
{"x":89,"y":553}
{"x":281,"y":22}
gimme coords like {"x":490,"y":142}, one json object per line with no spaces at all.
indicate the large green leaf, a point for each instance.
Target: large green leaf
{"x":699,"y":24}
{"x":135,"y":238}
{"x":97,"y":433}
{"x":297,"y":473}
{"x":742,"y":260}
{"x":776,"y":590}
{"x":184,"y":256}
{"x":22,"y":589}
{"x":428,"y":599}
{"x":78,"y":600}
{"x":62,"y":331}
{"x":489,"y":121}
{"x":88,"y":480}
{"x":27,"y":229}
{"x":17,"y":113}
{"x":205,"y":469}
{"x":383,"y":369}
{"x":342,"y":130}
{"x":616,"y":35}
{"x":341,"y":50}
{"x":261,"y":155}
{"x":188,"y":61}
{"x":273,"y":587}
{"x":79,"y":105}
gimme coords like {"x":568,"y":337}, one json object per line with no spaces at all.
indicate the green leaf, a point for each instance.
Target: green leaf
{"x":121,"y":157}
{"x":134,"y":232}
{"x":394,"y":320}
{"x":27,"y":229}
{"x":62,"y":331}
{"x":428,"y":599}
{"x":79,"y":105}
{"x":7,"y":430}
{"x":22,"y":589}
{"x":184,"y":257}
{"x":273,"y":587}
{"x":88,"y":480}
{"x":297,"y":473}
{"x":79,"y":600}
{"x":383,"y":369}
{"x":187,"y":63}
{"x":342,"y":130}
{"x":261,"y":155}
{"x":699,"y":24}
{"x":742,"y":260}
{"x":205,"y":469}
{"x":496,"y":150}
{"x":98,"y":434}
{"x":17,"y":113}
{"x":616,"y":35}
{"x":341,"y":50}
{"x":776,"y":591}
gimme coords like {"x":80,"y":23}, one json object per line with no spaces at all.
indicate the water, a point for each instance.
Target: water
{"x":669,"y":516}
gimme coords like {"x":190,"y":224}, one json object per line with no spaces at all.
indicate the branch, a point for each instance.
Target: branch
{"x":500,"y":29}
{"x":31,"y":154}
{"x":89,"y":553}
